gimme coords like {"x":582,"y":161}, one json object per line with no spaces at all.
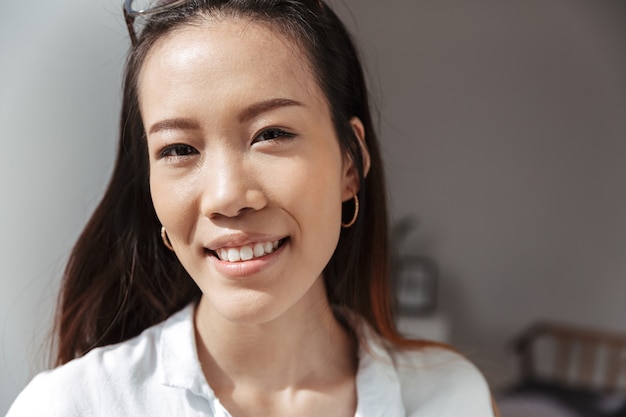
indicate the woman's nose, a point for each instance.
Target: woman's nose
{"x":230,"y":188}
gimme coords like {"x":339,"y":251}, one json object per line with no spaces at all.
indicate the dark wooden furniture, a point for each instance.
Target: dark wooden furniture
{"x":586,"y":368}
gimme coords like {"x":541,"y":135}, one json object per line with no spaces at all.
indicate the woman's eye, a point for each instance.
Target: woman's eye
{"x":272,"y":134}
{"x":178,"y":150}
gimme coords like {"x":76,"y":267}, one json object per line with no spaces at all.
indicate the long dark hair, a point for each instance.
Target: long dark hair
{"x":121,"y":279}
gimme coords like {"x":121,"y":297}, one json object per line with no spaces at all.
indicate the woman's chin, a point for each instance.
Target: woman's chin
{"x":252,"y":308}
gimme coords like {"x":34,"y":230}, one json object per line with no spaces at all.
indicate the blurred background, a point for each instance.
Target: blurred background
{"x":503,"y":125}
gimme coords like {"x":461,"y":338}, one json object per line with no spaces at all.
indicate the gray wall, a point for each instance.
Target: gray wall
{"x":59,"y":83}
{"x":504,"y":125}
{"x":504,"y":133}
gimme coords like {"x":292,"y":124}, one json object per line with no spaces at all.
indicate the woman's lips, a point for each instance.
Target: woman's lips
{"x":242,"y":267}
{"x":247,"y":252}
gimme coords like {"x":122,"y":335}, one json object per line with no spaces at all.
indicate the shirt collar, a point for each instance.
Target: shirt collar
{"x":378,"y":386}
{"x":377,"y":383}
{"x":179,"y":357}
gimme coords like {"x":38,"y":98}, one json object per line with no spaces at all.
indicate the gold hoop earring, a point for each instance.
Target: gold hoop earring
{"x":166,"y":240}
{"x":356,"y":214}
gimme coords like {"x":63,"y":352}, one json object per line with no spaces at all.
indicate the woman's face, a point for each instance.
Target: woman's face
{"x":246,"y":173}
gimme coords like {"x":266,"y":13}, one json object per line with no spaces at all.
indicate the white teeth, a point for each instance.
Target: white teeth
{"x":258,"y":250}
{"x":245,"y":253}
{"x":233,"y":255}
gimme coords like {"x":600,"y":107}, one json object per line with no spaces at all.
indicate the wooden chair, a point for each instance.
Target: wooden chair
{"x":586,"y":367}
{"x":582,"y":357}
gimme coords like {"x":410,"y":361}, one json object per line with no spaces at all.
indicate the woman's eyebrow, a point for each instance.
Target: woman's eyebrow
{"x":264,"y":106}
{"x":174,"y":124}
{"x":245,"y":115}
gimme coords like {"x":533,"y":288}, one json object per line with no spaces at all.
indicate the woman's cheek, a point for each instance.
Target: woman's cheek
{"x":173,"y":200}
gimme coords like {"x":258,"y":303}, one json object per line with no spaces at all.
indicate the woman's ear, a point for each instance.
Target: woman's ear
{"x":359,"y":132}
{"x":351,"y":175}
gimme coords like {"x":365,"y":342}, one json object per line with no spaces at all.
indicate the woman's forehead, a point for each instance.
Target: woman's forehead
{"x":226,"y":58}
{"x":231,"y":44}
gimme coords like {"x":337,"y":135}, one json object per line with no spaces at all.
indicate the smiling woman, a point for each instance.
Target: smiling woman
{"x":261,"y":165}
{"x":237,"y":264}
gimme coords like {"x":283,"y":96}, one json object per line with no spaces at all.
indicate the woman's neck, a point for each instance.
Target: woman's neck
{"x":304,"y":348}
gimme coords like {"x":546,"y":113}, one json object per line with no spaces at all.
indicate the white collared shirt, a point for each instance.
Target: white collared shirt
{"x":158,"y":374}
